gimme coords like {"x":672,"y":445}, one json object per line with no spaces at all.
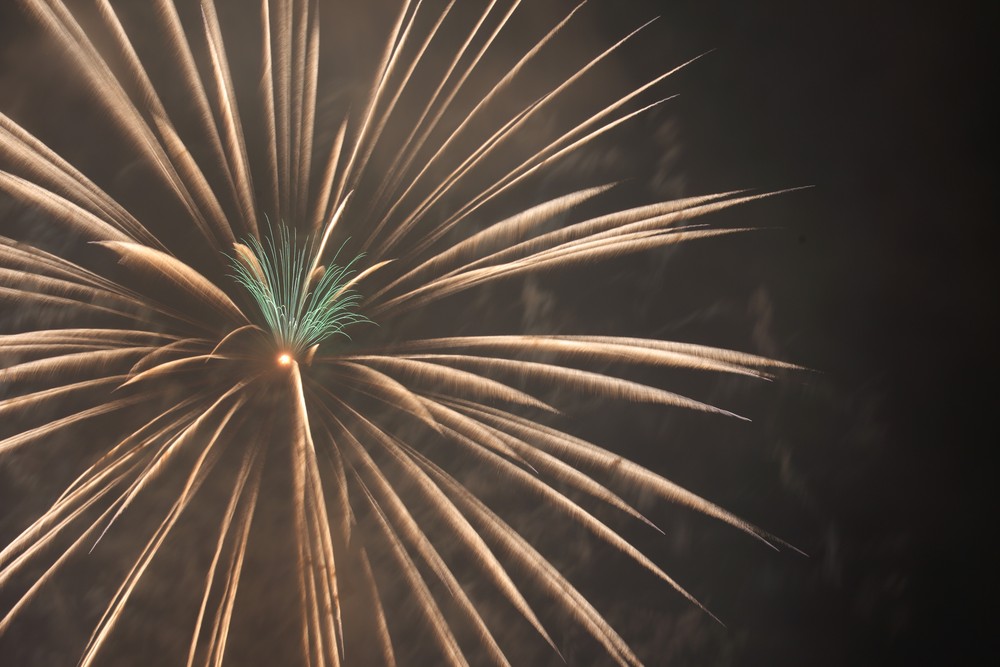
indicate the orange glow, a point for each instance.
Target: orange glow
{"x":284,"y":359}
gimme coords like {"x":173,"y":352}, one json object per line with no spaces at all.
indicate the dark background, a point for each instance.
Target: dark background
{"x":881,"y":277}
{"x":889,"y":289}
{"x":880,"y":465}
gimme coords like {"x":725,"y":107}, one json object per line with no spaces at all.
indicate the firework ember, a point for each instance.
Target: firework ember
{"x":235,"y":395}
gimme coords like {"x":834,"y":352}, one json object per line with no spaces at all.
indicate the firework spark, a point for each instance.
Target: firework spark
{"x":238,"y":368}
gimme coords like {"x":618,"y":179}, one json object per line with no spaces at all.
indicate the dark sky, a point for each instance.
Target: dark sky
{"x":889,"y":290}
{"x":880,"y":277}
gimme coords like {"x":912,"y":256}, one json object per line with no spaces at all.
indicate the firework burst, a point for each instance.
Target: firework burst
{"x":247,"y":376}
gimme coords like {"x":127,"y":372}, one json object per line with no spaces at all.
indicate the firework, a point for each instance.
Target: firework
{"x":232,"y":361}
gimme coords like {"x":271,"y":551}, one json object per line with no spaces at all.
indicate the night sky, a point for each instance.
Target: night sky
{"x":878,"y":463}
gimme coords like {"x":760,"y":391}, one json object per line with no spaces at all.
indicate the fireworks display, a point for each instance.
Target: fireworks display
{"x":237,"y":352}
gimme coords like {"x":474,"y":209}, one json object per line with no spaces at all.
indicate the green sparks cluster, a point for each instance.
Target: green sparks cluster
{"x":301,"y":302}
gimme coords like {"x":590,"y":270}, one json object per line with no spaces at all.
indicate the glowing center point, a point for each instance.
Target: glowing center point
{"x":284,"y":359}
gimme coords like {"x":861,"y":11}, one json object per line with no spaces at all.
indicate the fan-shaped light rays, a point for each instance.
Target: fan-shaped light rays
{"x":213,"y":384}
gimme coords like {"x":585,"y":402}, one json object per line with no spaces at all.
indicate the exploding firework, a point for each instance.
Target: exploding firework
{"x":224,"y":385}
